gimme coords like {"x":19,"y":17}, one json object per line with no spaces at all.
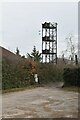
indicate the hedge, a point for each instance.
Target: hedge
{"x":48,"y":72}
{"x":71,"y":76}
{"x":18,"y":75}
{"x":15,"y":75}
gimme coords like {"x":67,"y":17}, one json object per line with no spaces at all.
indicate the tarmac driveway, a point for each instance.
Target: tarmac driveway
{"x":40,"y":102}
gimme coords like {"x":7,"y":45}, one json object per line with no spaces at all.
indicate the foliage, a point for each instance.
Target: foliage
{"x":35,"y":55}
{"x":15,"y":75}
{"x":49,"y":73}
{"x":23,"y":56}
{"x":17,"y":51}
{"x":71,"y":76}
{"x":20,"y":74}
{"x":71,"y":47}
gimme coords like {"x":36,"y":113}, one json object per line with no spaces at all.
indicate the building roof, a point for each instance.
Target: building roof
{"x":6,"y":54}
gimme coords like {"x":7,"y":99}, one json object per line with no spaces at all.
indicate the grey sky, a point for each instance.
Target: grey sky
{"x":21,"y":22}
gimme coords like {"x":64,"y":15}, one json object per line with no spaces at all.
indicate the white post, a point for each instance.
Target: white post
{"x":36,"y":78}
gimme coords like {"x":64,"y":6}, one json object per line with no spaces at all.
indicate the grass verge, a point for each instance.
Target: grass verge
{"x":72,"y":88}
{"x":19,"y":89}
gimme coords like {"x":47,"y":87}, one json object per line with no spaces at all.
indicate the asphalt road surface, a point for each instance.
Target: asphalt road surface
{"x":40,"y":102}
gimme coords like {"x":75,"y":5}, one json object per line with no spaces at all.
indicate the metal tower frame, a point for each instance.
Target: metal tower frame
{"x":49,"y":42}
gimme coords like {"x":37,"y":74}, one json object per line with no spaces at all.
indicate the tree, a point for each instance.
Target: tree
{"x":23,"y":56}
{"x":17,"y":51}
{"x":35,"y":55}
{"x":71,"y":47}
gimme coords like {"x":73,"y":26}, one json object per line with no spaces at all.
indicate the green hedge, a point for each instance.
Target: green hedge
{"x":15,"y":75}
{"x":71,"y":76}
{"x":18,"y":75}
{"x":49,"y":73}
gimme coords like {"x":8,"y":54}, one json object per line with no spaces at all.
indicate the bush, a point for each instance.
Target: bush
{"x":71,"y":76}
{"x":19,"y":75}
{"x":49,"y":73}
{"x":15,"y":75}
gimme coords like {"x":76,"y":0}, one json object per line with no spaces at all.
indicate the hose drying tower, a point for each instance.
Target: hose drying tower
{"x":49,"y":42}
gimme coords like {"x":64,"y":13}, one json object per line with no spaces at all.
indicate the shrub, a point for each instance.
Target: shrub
{"x":71,"y":76}
{"x":15,"y":75}
{"x":19,"y":75}
{"x":49,"y":73}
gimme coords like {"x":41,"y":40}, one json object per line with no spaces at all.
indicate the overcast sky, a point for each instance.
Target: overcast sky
{"x":21,"y":22}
